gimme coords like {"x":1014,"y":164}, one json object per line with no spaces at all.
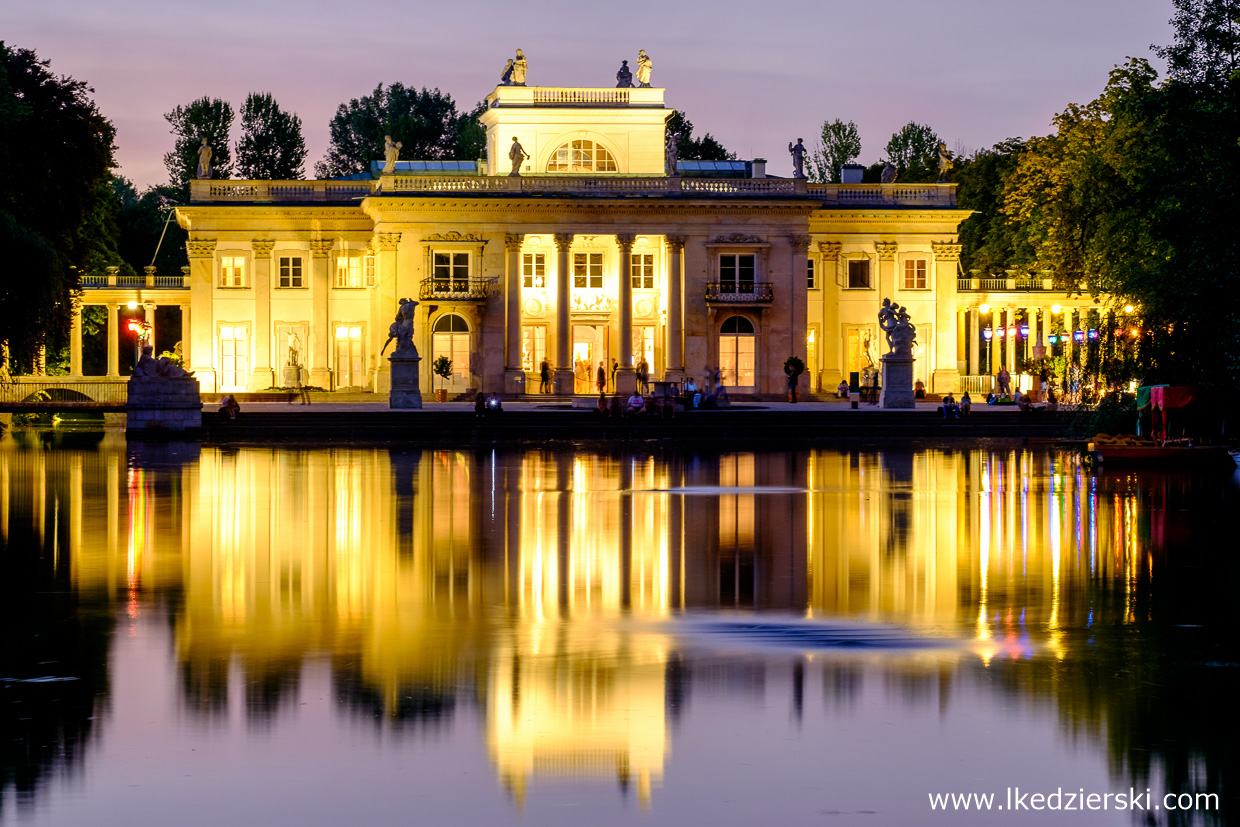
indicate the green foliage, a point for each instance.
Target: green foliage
{"x":793,"y":366}
{"x":442,"y":367}
{"x":271,"y":145}
{"x":1207,"y":42}
{"x":425,"y":122}
{"x":56,"y":150}
{"x":143,"y":221}
{"x":839,"y":144}
{"x":209,"y":118}
{"x":688,"y":148}
{"x":988,"y":238}
{"x":914,"y":151}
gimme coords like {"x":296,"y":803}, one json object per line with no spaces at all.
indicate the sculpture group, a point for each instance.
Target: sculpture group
{"x":402,"y":331}
{"x":895,"y":322}
{"x":897,"y":381}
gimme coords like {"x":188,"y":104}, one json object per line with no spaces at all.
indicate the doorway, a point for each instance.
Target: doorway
{"x":589,"y":349}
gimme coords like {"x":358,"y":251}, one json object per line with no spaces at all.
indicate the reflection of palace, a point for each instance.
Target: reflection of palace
{"x":540,"y":579}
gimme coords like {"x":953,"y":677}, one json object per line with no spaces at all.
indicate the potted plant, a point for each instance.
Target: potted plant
{"x":793,"y":367}
{"x":442,"y":367}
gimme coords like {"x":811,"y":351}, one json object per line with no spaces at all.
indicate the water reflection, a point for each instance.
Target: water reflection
{"x":542,"y":590}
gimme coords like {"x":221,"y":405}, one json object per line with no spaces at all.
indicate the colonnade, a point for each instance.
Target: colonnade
{"x":1008,"y":338}
{"x":113,"y":334}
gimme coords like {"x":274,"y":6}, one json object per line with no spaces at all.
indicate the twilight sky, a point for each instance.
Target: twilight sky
{"x":978,"y":71}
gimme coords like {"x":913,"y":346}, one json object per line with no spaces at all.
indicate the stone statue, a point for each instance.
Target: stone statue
{"x":519,"y":67}
{"x":624,"y":78}
{"x":895,"y":322}
{"x":672,"y":153}
{"x":204,"y":160}
{"x":169,"y":369}
{"x":505,"y":77}
{"x":516,"y":154}
{"x":798,"y":158}
{"x":294,"y":350}
{"x":869,"y":349}
{"x":945,"y":162}
{"x":391,"y":152}
{"x":393,"y":333}
{"x":402,"y":331}
{"x":888,"y":175}
{"x":147,"y":366}
{"x":643,"y":69}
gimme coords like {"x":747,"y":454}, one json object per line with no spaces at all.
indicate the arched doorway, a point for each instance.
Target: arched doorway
{"x":736,"y":353}
{"x":450,"y":337}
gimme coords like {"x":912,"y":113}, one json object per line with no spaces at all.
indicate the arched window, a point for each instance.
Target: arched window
{"x":736,"y":352}
{"x":581,"y":156}
{"x":450,"y":337}
{"x":451,"y":323}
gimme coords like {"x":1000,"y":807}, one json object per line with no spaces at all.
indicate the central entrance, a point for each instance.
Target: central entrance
{"x":589,"y":349}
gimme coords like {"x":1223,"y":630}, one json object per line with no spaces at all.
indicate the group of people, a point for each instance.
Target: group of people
{"x":487,"y":406}
{"x":637,"y":404}
{"x":954,"y":410}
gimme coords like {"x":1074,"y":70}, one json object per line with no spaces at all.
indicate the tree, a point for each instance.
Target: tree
{"x":840,"y":144}
{"x":209,"y":118}
{"x":914,"y":152}
{"x":271,"y":145}
{"x":689,"y":148}
{"x":425,"y":122}
{"x":1207,"y":41}
{"x":56,"y":150}
{"x":143,"y":221}
{"x":989,"y":237}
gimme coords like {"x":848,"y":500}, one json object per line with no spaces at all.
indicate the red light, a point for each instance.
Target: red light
{"x":134,"y":327}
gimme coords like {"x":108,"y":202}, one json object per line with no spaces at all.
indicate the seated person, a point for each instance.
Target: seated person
{"x":636,"y":404}
{"x":601,"y":408}
{"x":689,"y":389}
{"x":950,"y":408}
{"x":229,"y":407}
{"x":616,"y":407}
{"x":966,"y":404}
{"x":991,"y":399}
{"x":480,"y":405}
{"x":495,"y":405}
{"x":841,"y":391}
{"x":1052,"y":401}
{"x":919,"y":389}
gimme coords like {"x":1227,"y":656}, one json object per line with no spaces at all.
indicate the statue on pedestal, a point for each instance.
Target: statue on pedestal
{"x":391,"y":153}
{"x":644,"y":66}
{"x":204,"y":161}
{"x":624,"y":78}
{"x":405,"y":392}
{"x":519,"y":67}
{"x":897,"y":383}
{"x":895,"y":322}
{"x":798,"y":158}
{"x":945,"y":162}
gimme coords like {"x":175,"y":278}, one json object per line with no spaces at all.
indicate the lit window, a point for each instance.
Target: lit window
{"x":290,"y":271}
{"x":533,"y":347}
{"x":355,"y":270}
{"x":368,"y":267}
{"x":588,"y":270}
{"x":450,"y":272}
{"x":581,"y":156}
{"x":642,"y":271}
{"x":534,"y":270}
{"x":809,"y":274}
{"x":736,"y":272}
{"x":232,"y":271}
{"x":914,"y":274}
{"x":859,"y":274}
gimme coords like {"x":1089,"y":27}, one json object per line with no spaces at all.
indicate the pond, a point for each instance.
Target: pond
{"x":586,"y":635}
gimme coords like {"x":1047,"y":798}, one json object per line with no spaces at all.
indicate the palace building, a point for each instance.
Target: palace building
{"x":594,"y":251}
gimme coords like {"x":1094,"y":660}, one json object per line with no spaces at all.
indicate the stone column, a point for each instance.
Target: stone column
{"x":201,"y":336}
{"x":1010,"y":321}
{"x":831,"y":357}
{"x":946,"y":377}
{"x":1069,"y":343}
{"x":962,"y":340}
{"x":562,"y":382}
{"x":674,"y":368}
{"x":886,"y":269}
{"x":114,"y":345}
{"x":798,"y":308}
{"x":75,"y":344}
{"x":626,"y":377}
{"x":185,"y":322}
{"x":261,"y":376}
{"x":383,"y":305}
{"x":320,"y":324}
{"x":148,"y":316}
{"x":974,"y":341}
{"x":514,"y":375}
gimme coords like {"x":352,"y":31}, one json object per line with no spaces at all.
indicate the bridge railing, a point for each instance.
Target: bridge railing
{"x":71,"y":392}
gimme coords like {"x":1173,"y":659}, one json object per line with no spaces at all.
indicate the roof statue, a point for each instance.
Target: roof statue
{"x":204,"y":160}
{"x":519,"y":68}
{"x":517,"y":155}
{"x":798,"y":158}
{"x":672,"y":151}
{"x":505,"y":77}
{"x":643,"y":69}
{"x":391,"y":152}
{"x":888,"y":175}
{"x":945,"y":162}
{"x":624,"y":78}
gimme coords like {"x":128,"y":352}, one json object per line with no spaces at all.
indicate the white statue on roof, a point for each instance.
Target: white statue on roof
{"x":643,"y":69}
{"x":391,"y":152}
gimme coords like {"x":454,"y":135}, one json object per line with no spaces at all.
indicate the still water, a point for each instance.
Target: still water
{"x":207,"y":636}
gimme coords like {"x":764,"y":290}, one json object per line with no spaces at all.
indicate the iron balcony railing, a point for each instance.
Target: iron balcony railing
{"x":740,"y":292}
{"x":450,"y":289}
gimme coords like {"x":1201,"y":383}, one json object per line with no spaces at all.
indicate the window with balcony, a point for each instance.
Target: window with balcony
{"x":642,"y":271}
{"x":450,"y":271}
{"x":736,"y":272}
{"x":588,"y":271}
{"x":290,"y":271}
{"x":232,"y":271}
{"x":355,"y":270}
{"x":582,"y":157}
{"x":534,"y":271}
{"x":915,"y":274}
{"x":859,"y":274}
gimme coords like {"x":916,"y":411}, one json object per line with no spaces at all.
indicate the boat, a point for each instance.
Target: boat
{"x":1169,"y":455}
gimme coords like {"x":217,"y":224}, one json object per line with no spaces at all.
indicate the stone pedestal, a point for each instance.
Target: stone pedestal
{"x":160,"y":404}
{"x":291,"y":377}
{"x":897,"y":382}
{"x":514,"y":382}
{"x":562,"y":381}
{"x":405,"y":392}
{"x":626,"y":381}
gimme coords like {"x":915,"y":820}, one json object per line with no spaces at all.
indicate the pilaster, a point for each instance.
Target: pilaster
{"x":626,"y":378}
{"x":320,"y":327}
{"x":832,"y":360}
{"x":382,"y":300}
{"x":261,"y":376}
{"x":674,"y":369}
{"x":886,"y":269}
{"x":514,"y":375}
{"x":562,"y":383}
{"x":798,"y":305}
{"x":201,"y":335}
{"x":946,"y":377}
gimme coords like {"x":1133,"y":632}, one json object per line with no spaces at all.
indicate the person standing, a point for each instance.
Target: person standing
{"x":614,"y":367}
{"x":602,"y":378}
{"x":643,"y":374}
{"x":544,"y":377}
{"x":1005,"y":381}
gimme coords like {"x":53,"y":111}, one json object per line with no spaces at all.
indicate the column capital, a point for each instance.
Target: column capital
{"x":200,"y":248}
{"x":563,"y":241}
{"x":799,"y":243}
{"x":321,"y":248}
{"x":676,"y":243}
{"x":886,"y":250}
{"x":262,"y":247}
{"x":830,"y":249}
{"x":625,"y":241}
{"x":944,"y":251}
{"x":513,"y":241}
{"x":387,"y":241}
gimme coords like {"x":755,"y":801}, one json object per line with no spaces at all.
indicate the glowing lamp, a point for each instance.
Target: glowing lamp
{"x":1052,"y":339}
{"x":133,"y":305}
{"x":1093,"y":335}
{"x":1024,"y":330}
{"x":986,"y":334}
{"x":1135,"y":333}
{"x":134,"y":326}
{"x":984,"y":309}
{"x":1011,"y":330}
{"x":1056,"y":308}
{"x":1079,"y":335}
{"x":1128,"y":308}
{"x":1001,"y":332}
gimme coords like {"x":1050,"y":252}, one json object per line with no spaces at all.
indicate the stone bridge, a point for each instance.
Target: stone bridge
{"x":53,"y":394}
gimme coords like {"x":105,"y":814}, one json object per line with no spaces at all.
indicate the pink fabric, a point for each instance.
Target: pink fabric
{"x":1172,"y":396}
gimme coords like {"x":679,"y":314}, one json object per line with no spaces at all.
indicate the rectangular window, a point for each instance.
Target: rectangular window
{"x":356,"y":270}
{"x":232,"y":271}
{"x":290,"y":271}
{"x":450,"y":272}
{"x":859,"y":274}
{"x":642,"y":271}
{"x":736,"y":273}
{"x":533,"y":347}
{"x":368,"y":267}
{"x":234,"y":364}
{"x":534,"y":270}
{"x":914,"y":274}
{"x":588,"y":270}
{"x":809,"y":274}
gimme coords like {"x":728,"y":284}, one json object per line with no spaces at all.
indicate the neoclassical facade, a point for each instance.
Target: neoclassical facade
{"x":590,"y":250}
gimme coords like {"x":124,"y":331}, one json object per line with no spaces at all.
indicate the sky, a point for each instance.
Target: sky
{"x":754,"y":76}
